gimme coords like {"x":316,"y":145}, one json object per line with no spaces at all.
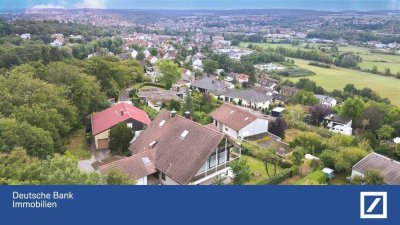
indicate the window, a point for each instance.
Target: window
{"x":184,"y":133}
{"x":163,"y":176}
{"x":161,"y":123}
{"x":212,"y":162}
{"x":226,"y":129}
{"x":221,"y":157}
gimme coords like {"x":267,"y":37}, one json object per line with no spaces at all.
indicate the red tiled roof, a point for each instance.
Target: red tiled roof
{"x":233,"y":116}
{"x":136,"y":166}
{"x":116,"y":114}
{"x":179,"y":157}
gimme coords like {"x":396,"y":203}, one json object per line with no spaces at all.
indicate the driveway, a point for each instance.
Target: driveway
{"x":124,"y":95}
{"x":97,"y":155}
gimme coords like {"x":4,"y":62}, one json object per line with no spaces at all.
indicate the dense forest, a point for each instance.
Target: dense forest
{"x":47,"y":93}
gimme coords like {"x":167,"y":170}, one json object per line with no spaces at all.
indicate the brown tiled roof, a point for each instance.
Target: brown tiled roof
{"x":233,"y":116}
{"x":135,"y":166}
{"x":389,"y":168}
{"x":178,"y":157}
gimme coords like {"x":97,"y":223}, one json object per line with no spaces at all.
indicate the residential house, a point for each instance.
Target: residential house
{"x":57,"y":43}
{"x":26,"y":36}
{"x":188,"y":77}
{"x":248,"y":98}
{"x":133,"y":53}
{"x":155,"y":97}
{"x":152,"y":73}
{"x":146,"y":53}
{"x":326,"y":100}
{"x":122,"y":112}
{"x":268,"y":83}
{"x":211,"y":85}
{"x":339,"y":124}
{"x":152,"y":59}
{"x":238,"y":123}
{"x":174,"y":150}
{"x":389,"y":168}
{"x":198,"y":64}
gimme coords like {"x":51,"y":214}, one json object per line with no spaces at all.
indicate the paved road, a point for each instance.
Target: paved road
{"x":124,"y":95}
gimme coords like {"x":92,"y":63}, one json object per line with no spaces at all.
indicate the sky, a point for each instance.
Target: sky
{"x":331,"y":5}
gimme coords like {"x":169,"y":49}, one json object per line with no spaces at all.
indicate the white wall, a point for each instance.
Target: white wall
{"x":141,"y":181}
{"x":167,"y":181}
{"x":258,"y":126}
{"x":227,"y":130}
{"x":257,"y":105}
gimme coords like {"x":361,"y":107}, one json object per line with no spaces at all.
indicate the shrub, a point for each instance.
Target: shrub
{"x":282,"y":176}
{"x":319,"y":65}
{"x":317,"y":177}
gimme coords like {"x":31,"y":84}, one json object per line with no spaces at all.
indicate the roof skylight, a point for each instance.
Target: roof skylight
{"x":184,"y":133}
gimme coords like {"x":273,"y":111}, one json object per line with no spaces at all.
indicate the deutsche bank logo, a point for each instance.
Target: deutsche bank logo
{"x":373,"y":205}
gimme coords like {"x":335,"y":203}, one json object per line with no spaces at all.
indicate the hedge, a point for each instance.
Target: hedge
{"x":151,"y":84}
{"x":317,"y":177}
{"x":281,"y":176}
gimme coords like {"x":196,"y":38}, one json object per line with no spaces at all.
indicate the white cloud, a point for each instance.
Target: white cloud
{"x":96,"y":4}
{"x":49,"y":6}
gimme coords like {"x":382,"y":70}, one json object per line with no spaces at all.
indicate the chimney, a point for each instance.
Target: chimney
{"x":122,"y":112}
{"x":187,"y":115}
{"x":173,"y":113}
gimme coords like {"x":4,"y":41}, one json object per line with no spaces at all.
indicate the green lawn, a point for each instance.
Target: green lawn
{"x":77,"y":145}
{"x":337,"y":78}
{"x":266,"y":45}
{"x":381,"y":61}
{"x":258,"y":170}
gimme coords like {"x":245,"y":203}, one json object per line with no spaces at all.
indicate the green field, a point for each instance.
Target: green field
{"x":381,"y":61}
{"x":337,"y":78}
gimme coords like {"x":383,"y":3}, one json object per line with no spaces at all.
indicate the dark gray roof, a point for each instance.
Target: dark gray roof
{"x":390,"y":169}
{"x":280,"y":97}
{"x":211,"y":84}
{"x":338,"y":118}
{"x":249,"y":96}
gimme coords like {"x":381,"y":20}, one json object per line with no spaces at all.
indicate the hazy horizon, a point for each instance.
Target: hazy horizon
{"x":318,"y":5}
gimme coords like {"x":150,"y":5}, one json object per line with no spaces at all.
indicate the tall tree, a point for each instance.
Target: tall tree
{"x":278,"y":127}
{"x":210,"y":66}
{"x":120,"y":136}
{"x":268,"y":156}
{"x":169,"y":71}
{"x":353,"y":107}
{"x":241,"y":171}
{"x":318,"y":112}
{"x":188,"y":104}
